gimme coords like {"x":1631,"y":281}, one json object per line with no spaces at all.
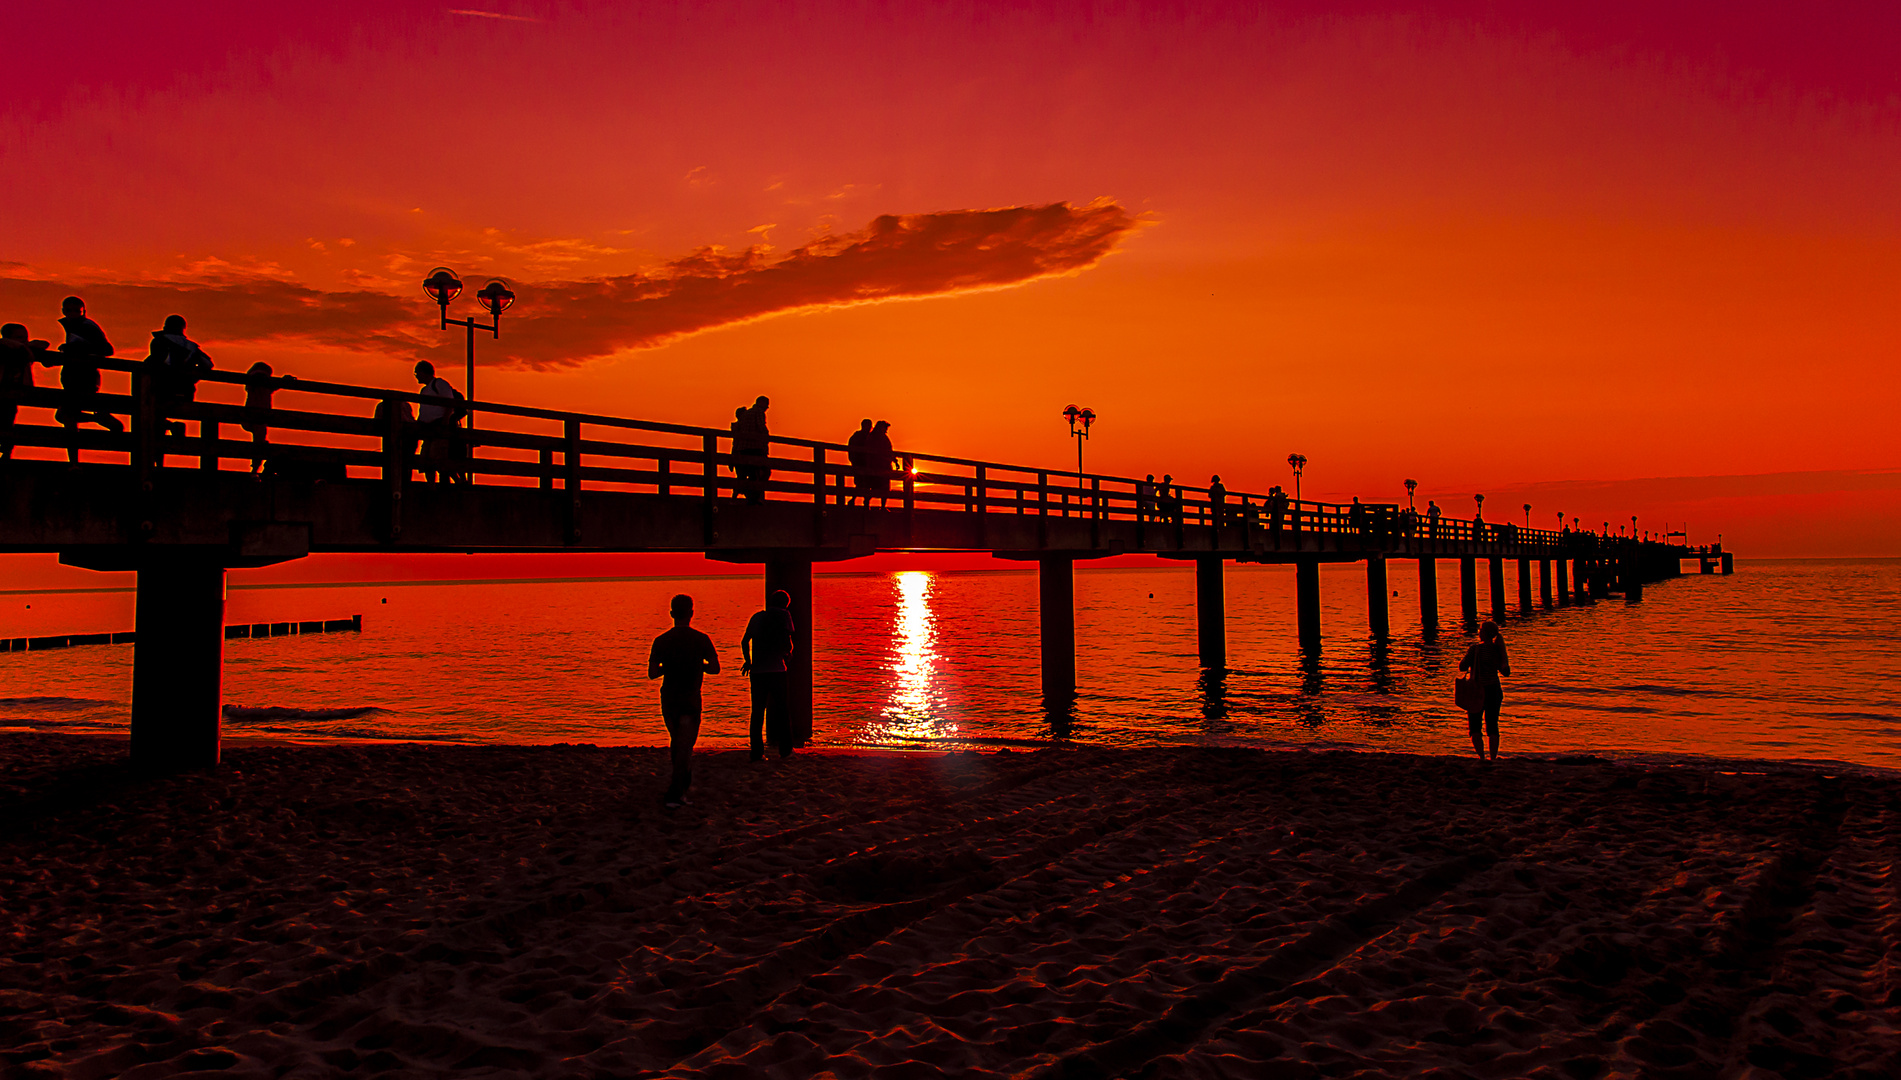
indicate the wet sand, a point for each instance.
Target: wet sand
{"x":532,"y":911}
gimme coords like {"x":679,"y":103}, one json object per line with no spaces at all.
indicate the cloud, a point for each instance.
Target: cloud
{"x":560,"y":324}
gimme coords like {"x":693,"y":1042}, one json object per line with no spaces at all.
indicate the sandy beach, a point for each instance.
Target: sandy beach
{"x":532,"y":911}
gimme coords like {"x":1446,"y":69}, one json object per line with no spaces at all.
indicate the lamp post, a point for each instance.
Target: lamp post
{"x":1560,"y":521}
{"x":1085,"y":417}
{"x":1479,"y":502}
{"x":1633,"y":526}
{"x":443,"y":286}
{"x":1297,"y":462}
{"x":1411,"y":486}
{"x":1527,"y":515}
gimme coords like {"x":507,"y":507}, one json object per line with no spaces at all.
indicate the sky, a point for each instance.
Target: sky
{"x":1607,"y":260}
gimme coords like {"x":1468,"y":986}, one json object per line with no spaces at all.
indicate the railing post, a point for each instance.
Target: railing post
{"x":396,"y":443}
{"x":663,"y":464}
{"x":546,"y":468}
{"x":571,"y":481}
{"x":709,"y":488}
{"x":208,"y":445}
{"x":983,"y":492}
{"x":1042,"y":494}
{"x":818,"y":497}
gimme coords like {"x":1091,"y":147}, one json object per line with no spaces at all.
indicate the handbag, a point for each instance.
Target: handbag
{"x":1466,"y":693}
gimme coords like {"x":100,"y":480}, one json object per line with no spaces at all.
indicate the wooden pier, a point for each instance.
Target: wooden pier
{"x":182,"y":509}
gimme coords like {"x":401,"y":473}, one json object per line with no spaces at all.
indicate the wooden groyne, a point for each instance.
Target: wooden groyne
{"x":239,"y":630}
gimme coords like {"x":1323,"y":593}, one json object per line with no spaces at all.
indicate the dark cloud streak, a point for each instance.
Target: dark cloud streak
{"x":567,"y":323}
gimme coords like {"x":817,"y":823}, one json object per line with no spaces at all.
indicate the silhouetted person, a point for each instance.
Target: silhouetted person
{"x":1168,"y":500}
{"x":766,"y":648}
{"x":1356,"y":517}
{"x":1486,"y":660}
{"x":79,"y":374}
{"x":752,"y":439}
{"x":259,"y":385}
{"x":1145,"y":498}
{"x":438,"y":417}
{"x":681,"y":658}
{"x":855,"y":453}
{"x":175,"y":365}
{"x":1276,"y":509}
{"x":17,"y":354}
{"x":1478,"y":525}
{"x":1432,"y":519}
{"x":883,"y":461}
{"x":1217,"y":500}
{"x":404,"y":443}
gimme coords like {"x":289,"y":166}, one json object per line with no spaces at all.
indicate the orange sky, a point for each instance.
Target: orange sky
{"x":1453,"y":242}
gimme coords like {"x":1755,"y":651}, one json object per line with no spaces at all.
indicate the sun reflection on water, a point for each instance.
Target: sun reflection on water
{"x":912,"y":708}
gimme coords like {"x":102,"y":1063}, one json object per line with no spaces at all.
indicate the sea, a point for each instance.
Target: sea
{"x":1792,"y":661}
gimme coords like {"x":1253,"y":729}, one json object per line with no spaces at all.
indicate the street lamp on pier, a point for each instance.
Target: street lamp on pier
{"x":1076,"y":416}
{"x":443,"y":285}
{"x":1560,"y":521}
{"x":1297,"y":462}
{"x":1527,"y":515}
{"x":1479,"y":502}
{"x":1411,"y":486}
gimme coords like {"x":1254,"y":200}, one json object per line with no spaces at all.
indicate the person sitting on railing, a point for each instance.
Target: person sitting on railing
{"x":752,"y":439}
{"x":17,"y":354}
{"x":883,"y":461}
{"x":1217,"y":501}
{"x":441,"y":451}
{"x":176,"y":364}
{"x":258,"y":388}
{"x":79,"y":375}
{"x":855,"y":454}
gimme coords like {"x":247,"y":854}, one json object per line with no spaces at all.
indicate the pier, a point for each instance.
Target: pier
{"x":182,"y":509}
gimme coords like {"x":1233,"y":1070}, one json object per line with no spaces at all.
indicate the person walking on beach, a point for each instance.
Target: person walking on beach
{"x":259,"y":385}
{"x":1486,"y":660}
{"x":681,"y":659}
{"x":17,"y":354}
{"x":765,"y":648}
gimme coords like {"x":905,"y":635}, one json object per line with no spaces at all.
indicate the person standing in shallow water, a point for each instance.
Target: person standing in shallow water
{"x":766,"y":647}
{"x":681,"y":658}
{"x":1486,"y":660}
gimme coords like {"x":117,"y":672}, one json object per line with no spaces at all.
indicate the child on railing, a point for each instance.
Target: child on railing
{"x":258,"y":388}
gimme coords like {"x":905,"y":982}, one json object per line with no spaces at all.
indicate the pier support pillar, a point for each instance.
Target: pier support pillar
{"x":178,"y":664}
{"x":1468,"y":589}
{"x":1524,"y":585}
{"x":1564,"y":584}
{"x":794,"y":575}
{"x":1633,"y":580}
{"x":1211,"y":611}
{"x":1729,"y":563}
{"x":1544,"y":582}
{"x":1376,"y":595}
{"x":1428,"y":591}
{"x":1704,"y":566}
{"x":1495,"y":577}
{"x":1056,"y":597}
{"x":1307,"y":601}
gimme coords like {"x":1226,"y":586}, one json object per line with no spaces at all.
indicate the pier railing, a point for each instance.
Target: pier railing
{"x":338,"y":432}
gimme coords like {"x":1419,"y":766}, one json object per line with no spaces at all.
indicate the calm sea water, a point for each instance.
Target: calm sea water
{"x":1789,"y":660}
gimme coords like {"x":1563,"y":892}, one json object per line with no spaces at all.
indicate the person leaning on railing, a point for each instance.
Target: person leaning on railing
{"x":79,"y":375}
{"x":17,"y":354}
{"x":441,"y":451}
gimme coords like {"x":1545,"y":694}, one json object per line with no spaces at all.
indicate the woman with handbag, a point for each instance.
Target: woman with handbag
{"x":1480,"y":694}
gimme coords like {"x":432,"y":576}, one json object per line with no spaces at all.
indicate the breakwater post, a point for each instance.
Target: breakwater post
{"x":1428,"y":590}
{"x":1307,"y":601}
{"x":1211,"y":611}
{"x":1468,"y":589}
{"x":1056,"y":597}
{"x":1376,"y":612}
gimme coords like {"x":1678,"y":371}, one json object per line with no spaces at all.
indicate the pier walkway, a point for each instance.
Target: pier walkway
{"x":181,"y":509}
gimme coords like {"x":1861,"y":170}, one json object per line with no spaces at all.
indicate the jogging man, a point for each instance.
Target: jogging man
{"x":681,"y":658}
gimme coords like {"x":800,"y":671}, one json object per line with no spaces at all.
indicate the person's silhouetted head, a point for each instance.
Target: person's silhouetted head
{"x":1216,"y":479}
{"x":174,"y":324}
{"x":762,"y":403}
{"x":864,"y":425}
{"x":1488,"y":632}
{"x":779,"y":600}
{"x":1151,"y":476}
{"x":259,"y":370}
{"x":425,"y":371}
{"x":681,"y":608}
{"x":72,"y":305}
{"x":1167,"y":477}
{"x":883,"y":426}
{"x":13,"y":331}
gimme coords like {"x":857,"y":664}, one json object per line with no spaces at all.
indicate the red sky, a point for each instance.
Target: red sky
{"x":1538,"y":255}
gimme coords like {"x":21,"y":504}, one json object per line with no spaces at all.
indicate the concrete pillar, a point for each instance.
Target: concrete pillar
{"x":1056,"y":597}
{"x":1564,"y":582}
{"x":178,"y":664}
{"x":1524,"y":585}
{"x":1729,"y":563}
{"x":1705,"y":566}
{"x":794,"y":575}
{"x":1544,"y":582}
{"x":1376,"y":594}
{"x":1495,"y":577}
{"x":1428,"y":591}
{"x":1468,"y":589}
{"x":1307,"y":601}
{"x":1633,"y":579}
{"x":1211,"y":611}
